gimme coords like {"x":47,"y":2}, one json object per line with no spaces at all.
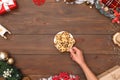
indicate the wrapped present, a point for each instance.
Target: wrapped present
{"x":111,"y":74}
{"x":62,"y":76}
{"x":7,"y":5}
{"x":111,"y":3}
{"x":109,"y":8}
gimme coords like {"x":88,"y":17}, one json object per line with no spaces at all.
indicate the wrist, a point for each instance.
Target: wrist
{"x":82,"y":64}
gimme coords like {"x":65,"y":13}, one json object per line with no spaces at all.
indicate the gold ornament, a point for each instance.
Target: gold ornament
{"x":3,"y":56}
{"x":10,"y":61}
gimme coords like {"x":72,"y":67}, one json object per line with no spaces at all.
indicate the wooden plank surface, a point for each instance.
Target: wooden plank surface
{"x":33,"y":30}
{"x":102,"y":43}
{"x":46,"y":65}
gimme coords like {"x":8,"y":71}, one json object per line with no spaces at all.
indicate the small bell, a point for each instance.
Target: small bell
{"x":10,"y":61}
{"x":3,"y":56}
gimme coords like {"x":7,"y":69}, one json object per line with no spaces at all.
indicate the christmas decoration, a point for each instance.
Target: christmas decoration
{"x":109,"y":8}
{"x":117,"y":17}
{"x":62,"y":76}
{"x":7,"y":70}
{"x":111,"y":3}
{"x":3,"y":30}
{"x":39,"y":2}
{"x":69,"y":1}
{"x":10,"y":61}
{"x":3,"y":56}
{"x":7,"y":5}
{"x":88,"y":2}
{"x":85,"y":1}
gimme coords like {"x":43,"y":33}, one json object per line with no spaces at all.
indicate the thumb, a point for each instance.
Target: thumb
{"x":76,"y":49}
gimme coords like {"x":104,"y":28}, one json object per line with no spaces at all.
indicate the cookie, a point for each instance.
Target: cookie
{"x":64,"y":41}
{"x":116,"y":38}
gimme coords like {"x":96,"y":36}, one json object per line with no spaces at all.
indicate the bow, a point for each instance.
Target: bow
{"x":117,"y":17}
{"x":6,"y":4}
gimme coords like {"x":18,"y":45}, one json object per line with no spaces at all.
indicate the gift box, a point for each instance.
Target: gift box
{"x":111,"y":74}
{"x":111,"y":3}
{"x":7,"y":5}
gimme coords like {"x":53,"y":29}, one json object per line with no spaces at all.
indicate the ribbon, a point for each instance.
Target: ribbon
{"x":117,"y":17}
{"x":6,"y":4}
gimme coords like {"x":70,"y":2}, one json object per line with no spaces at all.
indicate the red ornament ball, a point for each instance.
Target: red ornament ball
{"x":39,"y":2}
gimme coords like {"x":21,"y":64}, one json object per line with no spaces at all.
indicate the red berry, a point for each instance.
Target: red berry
{"x":39,"y":2}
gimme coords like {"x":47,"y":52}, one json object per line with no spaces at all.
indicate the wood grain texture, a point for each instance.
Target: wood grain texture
{"x":33,"y":28}
{"x":54,"y":17}
{"x":52,"y":64}
{"x":102,"y":43}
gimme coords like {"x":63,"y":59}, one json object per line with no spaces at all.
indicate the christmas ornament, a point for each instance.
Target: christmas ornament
{"x":39,"y":2}
{"x":69,"y":1}
{"x":3,"y":56}
{"x":3,"y":30}
{"x":62,"y":76}
{"x":109,"y":8}
{"x":8,"y":71}
{"x":116,"y":38}
{"x":85,"y":1}
{"x":10,"y":61}
{"x":88,"y":2}
{"x":117,"y":17}
{"x":7,"y":5}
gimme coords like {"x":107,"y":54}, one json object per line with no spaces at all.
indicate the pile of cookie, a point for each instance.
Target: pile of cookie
{"x":64,"y":41}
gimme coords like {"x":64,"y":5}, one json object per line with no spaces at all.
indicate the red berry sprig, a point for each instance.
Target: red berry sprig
{"x":39,"y":2}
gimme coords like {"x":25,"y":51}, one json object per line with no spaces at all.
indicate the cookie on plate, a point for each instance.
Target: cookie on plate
{"x":64,"y":41}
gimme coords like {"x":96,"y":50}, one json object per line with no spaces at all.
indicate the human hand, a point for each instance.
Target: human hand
{"x":77,"y":55}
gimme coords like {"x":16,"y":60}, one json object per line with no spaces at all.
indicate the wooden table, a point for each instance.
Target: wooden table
{"x":33,"y":30}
